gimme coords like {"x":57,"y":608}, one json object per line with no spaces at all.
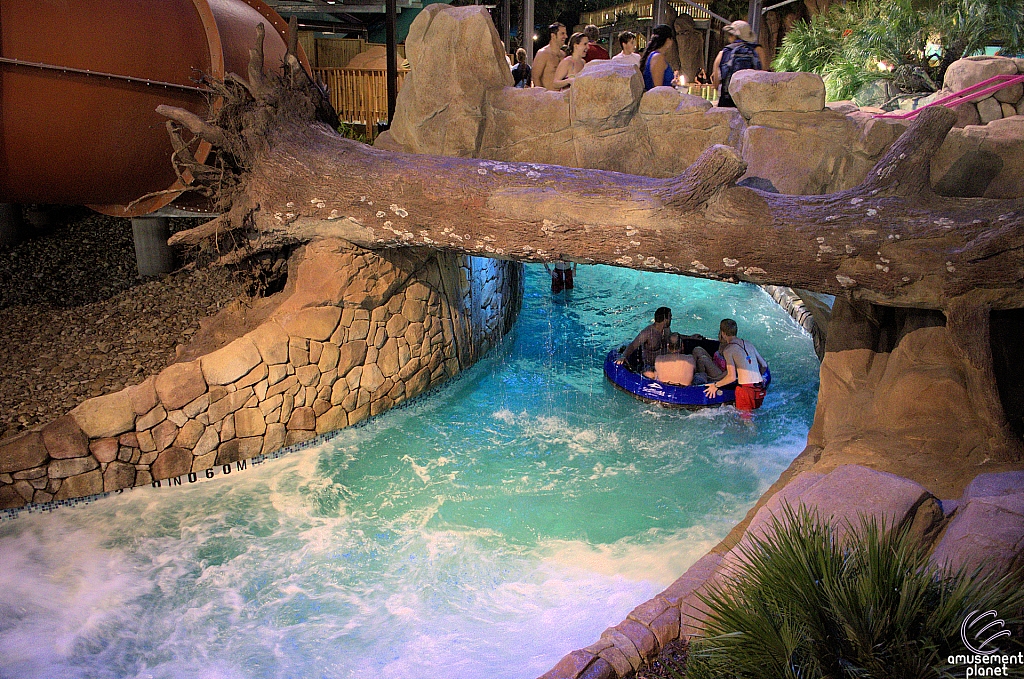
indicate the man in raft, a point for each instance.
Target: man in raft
{"x":743,"y":368}
{"x":640,"y":354}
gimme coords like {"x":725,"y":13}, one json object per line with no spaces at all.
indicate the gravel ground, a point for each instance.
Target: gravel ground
{"x":670,"y":663}
{"x":77,"y":321}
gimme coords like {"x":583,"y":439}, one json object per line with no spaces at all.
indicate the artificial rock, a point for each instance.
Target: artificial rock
{"x":758,"y":91}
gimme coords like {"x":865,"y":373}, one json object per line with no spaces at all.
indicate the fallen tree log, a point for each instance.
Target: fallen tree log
{"x":891,"y":240}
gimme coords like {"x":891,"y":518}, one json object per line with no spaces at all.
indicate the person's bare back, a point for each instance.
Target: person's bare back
{"x":545,"y":63}
{"x":674,"y":369}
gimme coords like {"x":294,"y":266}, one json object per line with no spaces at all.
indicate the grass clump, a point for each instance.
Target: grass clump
{"x":807,"y":605}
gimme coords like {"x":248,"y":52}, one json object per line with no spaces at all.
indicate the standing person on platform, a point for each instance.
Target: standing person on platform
{"x":629,"y":55}
{"x":595,"y":51}
{"x":655,"y":69}
{"x":740,"y":54}
{"x":574,"y":63}
{"x":521,"y":75}
{"x":743,"y":367}
{"x":562,"y":276}
{"x":545,"y":63}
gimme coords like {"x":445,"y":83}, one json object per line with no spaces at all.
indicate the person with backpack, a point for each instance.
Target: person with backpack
{"x":521,"y":75}
{"x":742,"y":52}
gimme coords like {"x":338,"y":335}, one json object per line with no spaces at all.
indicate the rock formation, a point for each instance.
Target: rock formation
{"x":689,"y":46}
{"x":920,"y":373}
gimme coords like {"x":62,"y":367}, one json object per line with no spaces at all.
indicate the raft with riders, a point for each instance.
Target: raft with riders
{"x":690,"y":370}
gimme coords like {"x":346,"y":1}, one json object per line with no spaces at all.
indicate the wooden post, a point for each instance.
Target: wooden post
{"x":660,"y":12}
{"x":528,"y":30}
{"x":391,"y":36}
{"x":506,"y":25}
{"x":707,"y":48}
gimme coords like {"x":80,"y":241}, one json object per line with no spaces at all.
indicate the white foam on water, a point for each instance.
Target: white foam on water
{"x":765,"y":462}
{"x":556,"y":430}
{"x":59,"y":590}
{"x":657,"y":556}
{"x":504,"y":415}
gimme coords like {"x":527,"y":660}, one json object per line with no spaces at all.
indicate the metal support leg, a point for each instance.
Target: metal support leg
{"x":153,"y":254}
{"x":10,"y":224}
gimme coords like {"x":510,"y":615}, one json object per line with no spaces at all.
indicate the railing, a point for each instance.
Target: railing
{"x":360,"y":96}
{"x":975,"y":92}
{"x":644,"y":9}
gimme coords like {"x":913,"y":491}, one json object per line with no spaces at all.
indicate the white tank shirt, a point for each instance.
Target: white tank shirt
{"x":747,"y":361}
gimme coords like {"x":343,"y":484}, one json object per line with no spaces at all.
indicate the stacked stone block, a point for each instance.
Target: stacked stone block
{"x":305,"y":371}
{"x":1004,"y":103}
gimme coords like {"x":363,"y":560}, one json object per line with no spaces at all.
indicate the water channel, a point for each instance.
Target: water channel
{"x":482,"y":531}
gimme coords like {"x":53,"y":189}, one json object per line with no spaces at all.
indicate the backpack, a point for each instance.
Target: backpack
{"x":521,"y":75}
{"x":737,"y":56}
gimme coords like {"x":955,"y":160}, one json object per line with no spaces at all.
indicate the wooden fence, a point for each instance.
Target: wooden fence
{"x":337,"y":52}
{"x":360,"y":96}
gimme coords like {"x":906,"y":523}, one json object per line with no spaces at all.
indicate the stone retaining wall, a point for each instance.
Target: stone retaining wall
{"x":964,"y":73}
{"x":810,"y":310}
{"x":353,"y":334}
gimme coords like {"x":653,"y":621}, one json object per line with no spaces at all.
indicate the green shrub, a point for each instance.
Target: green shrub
{"x":846,"y":44}
{"x":806,"y":605}
{"x":352,"y":132}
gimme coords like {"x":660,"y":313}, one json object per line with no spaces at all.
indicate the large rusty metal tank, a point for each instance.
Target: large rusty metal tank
{"x":80,"y":81}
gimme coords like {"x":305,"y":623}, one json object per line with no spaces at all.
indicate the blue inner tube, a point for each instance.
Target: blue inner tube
{"x":666,"y":394}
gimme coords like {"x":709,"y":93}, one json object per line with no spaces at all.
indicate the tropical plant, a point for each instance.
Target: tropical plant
{"x":352,"y":132}
{"x":849,"y":43}
{"x":967,"y":26}
{"x":805,"y":604}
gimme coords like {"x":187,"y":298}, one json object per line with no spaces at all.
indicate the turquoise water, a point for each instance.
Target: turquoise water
{"x":483,"y":531}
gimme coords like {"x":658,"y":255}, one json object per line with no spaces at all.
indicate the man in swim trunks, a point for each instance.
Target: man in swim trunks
{"x":640,"y":354}
{"x":545,"y":63}
{"x":561,"y":277}
{"x":743,"y":367}
{"x":673,"y":367}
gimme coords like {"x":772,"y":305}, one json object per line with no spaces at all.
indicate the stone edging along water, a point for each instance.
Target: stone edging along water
{"x":192,"y":478}
{"x":353,"y":334}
